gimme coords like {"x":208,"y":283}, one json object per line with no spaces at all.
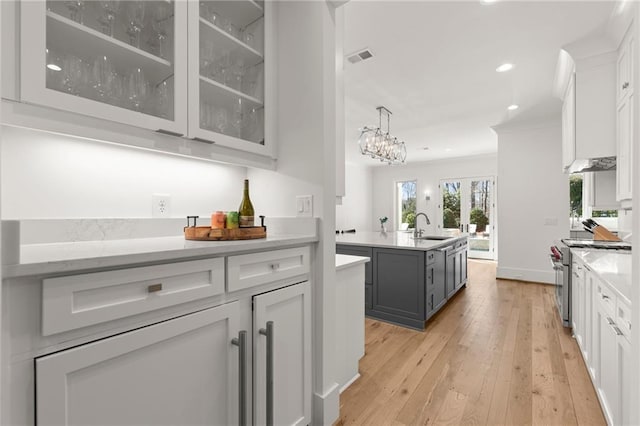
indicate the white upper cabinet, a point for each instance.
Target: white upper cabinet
{"x":625,"y":119}
{"x":227,"y":74}
{"x":569,"y":124}
{"x":120,"y":61}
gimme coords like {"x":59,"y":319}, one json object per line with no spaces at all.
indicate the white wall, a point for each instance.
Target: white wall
{"x":355,"y":210}
{"x":47,"y":175}
{"x":534,"y":197}
{"x":428,"y":174}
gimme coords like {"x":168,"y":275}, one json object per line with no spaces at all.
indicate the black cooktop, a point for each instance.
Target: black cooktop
{"x":595,"y":244}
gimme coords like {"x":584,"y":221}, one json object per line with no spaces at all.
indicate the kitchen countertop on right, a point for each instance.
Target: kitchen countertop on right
{"x":612,"y":266}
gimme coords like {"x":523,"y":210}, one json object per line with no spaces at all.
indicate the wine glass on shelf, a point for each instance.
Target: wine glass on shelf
{"x":102,"y":77}
{"x":236,"y":119}
{"x":206,"y":57}
{"x":76,"y":10}
{"x":109,"y":12}
{"x":135,"y":21}
{"x":161,"y":22}
{"x":237,"y":74}
{"x":222,"y":67}
{"x":162,"y":99}
{"x":137,"y":88}
{"x":221,"y":120}
{"x":72,"y":74}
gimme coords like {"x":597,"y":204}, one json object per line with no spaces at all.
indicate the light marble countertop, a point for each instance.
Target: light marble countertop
{"x":344,"y":261}
{"x":398,"y":240}
{"x":612,"y":266}
{"x":53,"y":258}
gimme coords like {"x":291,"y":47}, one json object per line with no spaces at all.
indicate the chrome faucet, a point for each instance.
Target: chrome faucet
{"x":416,"y":232}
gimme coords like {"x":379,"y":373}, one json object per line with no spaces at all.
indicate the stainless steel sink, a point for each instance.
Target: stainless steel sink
{"x":432,"y":237}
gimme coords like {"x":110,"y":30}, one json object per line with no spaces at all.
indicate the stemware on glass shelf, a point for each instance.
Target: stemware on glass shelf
{"x":137,"y":88}
{"x":236,"y":119}
{"x":161,"y":22}
{"x":107,"y":19}
{"x":102,"y":75}
{"x":76,"y":10}
{"x":135,"y":11}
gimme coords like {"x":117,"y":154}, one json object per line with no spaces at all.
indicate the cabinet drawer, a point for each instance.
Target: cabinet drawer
{"x":623,"y":318}
{"x":249,"y":270}
{"x":80,"y":300}
{"x":606,"y":298}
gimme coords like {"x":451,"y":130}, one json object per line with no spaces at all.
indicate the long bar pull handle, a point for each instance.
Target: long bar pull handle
{"x":241,"y":343}
{"x":268,"y":332}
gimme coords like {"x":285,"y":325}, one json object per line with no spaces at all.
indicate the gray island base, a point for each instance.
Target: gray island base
{"x":407,"y":280}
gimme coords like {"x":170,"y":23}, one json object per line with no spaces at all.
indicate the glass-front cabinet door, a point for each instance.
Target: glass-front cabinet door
{"x":124,"y":61}
{"x":227,"y":93}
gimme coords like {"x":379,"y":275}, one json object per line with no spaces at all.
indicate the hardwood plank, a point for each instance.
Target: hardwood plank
{"x":496,"y":354}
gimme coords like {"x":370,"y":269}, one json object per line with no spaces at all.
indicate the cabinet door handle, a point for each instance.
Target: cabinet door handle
{"x":617,"y":330}
{"x":605,"y":297}
{"x":610,"y":321}
{"x":275,"y":266}
{"x":169,"y":132}
{"x":241,"y":343}
{"x":268,"y":332}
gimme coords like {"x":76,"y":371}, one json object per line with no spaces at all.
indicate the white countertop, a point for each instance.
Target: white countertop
{"x":612,"y":266}
{"x":344,"y":261}
{"x":40,"y":259}
{"x":403,"y":240}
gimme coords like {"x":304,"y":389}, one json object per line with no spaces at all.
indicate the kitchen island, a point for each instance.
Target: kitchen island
{"x":408,"y":280}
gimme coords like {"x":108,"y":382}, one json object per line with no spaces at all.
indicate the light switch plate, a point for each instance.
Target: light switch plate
{"x":304,"y":206}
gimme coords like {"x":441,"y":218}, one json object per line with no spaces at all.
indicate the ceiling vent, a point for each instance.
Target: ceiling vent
{"x":360,"y":56}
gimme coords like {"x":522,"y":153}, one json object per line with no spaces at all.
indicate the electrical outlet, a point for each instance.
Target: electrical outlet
{"x":304,"y":206}
{"x":161,"y":205}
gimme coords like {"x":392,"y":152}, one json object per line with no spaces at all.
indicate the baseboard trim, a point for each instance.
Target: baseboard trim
{"x":350,"y":382}
{"x":326,"y":407}
{"x":530,"y":275}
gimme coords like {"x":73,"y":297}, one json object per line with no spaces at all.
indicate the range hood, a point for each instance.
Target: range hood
{"x":602,"y":164}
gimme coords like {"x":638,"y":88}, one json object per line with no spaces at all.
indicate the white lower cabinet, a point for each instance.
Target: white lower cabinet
{"x":238,"y":358}
{"x":604,"y":334}
{"x":179,"y":372}
{"x":282,"y":356}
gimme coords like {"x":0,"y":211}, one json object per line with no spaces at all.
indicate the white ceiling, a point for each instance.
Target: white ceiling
{"x":434,"y":68}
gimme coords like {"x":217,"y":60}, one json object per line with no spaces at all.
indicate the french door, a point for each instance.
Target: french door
{"x":467,"y":205}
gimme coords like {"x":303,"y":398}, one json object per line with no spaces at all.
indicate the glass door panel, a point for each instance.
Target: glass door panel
{"x":230,"y":86}
{"x":451,"y":214}
{"x":119,"y":53}
{"x":479,"y":225}
{"x":467,"y":207}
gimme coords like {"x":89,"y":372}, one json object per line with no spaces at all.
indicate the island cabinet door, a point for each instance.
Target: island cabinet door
{"x":399,"y":284}
{"x":178,"y":372}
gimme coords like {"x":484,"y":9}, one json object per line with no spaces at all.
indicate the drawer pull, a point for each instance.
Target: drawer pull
{"x":617,"y":331}
{"x":610,"y":321}
{"x":275,"y":266}
{"x":605,"y":297}
{"x":153,"y":288}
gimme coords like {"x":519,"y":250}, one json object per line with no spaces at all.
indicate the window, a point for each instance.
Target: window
{"x":579,"y":208}
{"x":406,"y":196}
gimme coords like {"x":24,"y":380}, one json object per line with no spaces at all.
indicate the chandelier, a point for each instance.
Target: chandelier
{"x":381,"y":145}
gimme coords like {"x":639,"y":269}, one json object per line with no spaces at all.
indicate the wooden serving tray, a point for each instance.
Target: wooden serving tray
{"x":205,"y":233}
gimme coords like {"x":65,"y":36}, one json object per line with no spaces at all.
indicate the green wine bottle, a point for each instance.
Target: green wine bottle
{"x":246,"y":208}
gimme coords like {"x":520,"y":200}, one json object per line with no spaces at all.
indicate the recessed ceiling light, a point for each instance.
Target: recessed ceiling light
{"x":447,"y":150}
{"x":488,"y":1}
{"x":504,"y":67}
{"x":513,"y":107}
{"x":54,"y":67}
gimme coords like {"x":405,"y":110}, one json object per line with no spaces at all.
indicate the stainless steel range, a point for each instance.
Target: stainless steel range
{"x":561,"y":260}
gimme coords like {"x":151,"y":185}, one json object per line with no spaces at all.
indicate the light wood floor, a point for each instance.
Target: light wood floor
{"x":496,"y":354}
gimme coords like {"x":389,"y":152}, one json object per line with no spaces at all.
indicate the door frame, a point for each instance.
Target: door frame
{"x":465,"y":211}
